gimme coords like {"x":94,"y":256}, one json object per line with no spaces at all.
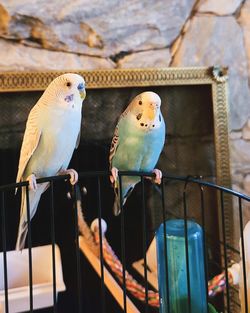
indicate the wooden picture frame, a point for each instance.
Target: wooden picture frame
{"x":214,"y":78}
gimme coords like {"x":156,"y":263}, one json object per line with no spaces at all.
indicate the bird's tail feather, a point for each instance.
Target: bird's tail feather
{"x":34,"y":198}
{"x":117,"y":206}
{"x":22,"y":233}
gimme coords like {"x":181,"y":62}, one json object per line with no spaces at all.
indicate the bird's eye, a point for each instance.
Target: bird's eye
{"x":140,"y":102}
{"x":68,"y":84}
{"x":139,"y":116}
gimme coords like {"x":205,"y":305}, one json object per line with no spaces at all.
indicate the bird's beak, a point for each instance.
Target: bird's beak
{"x":151,"y":113}
{"x":82,"y":91}
{"x":82,"y":94}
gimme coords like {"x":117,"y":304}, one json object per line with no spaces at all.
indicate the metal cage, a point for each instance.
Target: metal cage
{"x":80,"y":296}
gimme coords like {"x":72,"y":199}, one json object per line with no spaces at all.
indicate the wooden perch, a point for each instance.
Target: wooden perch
{"x":91,"y":250}
{"x":109,"y":281}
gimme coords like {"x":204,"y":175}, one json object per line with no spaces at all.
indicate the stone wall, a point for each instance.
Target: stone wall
{"x":40,"y":34}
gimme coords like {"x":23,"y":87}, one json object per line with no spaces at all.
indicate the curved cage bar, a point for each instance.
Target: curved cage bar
{"x":112,"y":266}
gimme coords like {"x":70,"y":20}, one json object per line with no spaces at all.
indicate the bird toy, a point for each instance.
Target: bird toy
{"x":113,"y":262}
{"x":91,"y":236}
{"x":218,"y":284}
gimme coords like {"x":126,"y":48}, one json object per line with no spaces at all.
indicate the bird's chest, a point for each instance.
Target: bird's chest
{"x":61,"y":134}
{"x":135,"y":139}
{"x":131,"y":151}
{"x":56,"y":145}
{"x":135,"y":143}
{"x":137,"y":149}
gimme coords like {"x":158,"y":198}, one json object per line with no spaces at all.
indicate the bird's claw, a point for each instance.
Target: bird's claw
{"x":158,"y":176}
{"x":32,"y":182}
{"x":73,"y":175}
{"x":114,"y":174}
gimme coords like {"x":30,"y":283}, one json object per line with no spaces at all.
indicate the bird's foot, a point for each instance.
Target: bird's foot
{"x":114,"y":174}
{"x":73,"y":175}
{"x":32,"y":182}
{"x":158,"y":176}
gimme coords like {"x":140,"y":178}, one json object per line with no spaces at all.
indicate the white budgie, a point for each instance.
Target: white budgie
{"x":137,"y":143}
{"x":51,"y":135}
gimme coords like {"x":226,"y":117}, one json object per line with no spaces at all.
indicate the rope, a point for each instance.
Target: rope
{"x":92,"y":239}
{"x":218,"y":284}
{"x":215,"y":285}
{"x":131,"y":284}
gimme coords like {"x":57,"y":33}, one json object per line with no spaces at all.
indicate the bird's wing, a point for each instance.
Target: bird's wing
{"x":78,"y":139}
{"x":114,"y":144}
{"x":115,"y":139}
{"x":31,"y":139}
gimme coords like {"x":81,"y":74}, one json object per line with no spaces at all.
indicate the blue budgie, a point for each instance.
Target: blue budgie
{"x":51,"y":135}
{"x":137,"y":143}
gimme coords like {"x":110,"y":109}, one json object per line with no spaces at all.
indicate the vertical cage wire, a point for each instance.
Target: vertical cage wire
{"x":144,"y":242}
{"x":186,"y":246}
{"x":225,"y":249}
{"x":204,"y":238}
{"x":77,"y":250}
{"x":29,"y":248}
{"x":243,"y":255}
{"x":123,"y":247}
{"x":165,"y":238}
{"x":101,"y":245}
{"x":4,"y":240}
{"x":53,"y":241}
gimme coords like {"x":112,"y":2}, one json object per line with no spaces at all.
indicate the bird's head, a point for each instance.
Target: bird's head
{"x":145,"y":109}
{"x":66,"y":91}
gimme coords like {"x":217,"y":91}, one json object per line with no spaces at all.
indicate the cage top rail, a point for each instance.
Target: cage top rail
{"x":187,"y":179}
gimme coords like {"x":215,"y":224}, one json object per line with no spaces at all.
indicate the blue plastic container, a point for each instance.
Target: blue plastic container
{"x":177,"y":288}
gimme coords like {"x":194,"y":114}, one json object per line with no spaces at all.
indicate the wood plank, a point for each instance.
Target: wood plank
{"x":109,"y":281}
